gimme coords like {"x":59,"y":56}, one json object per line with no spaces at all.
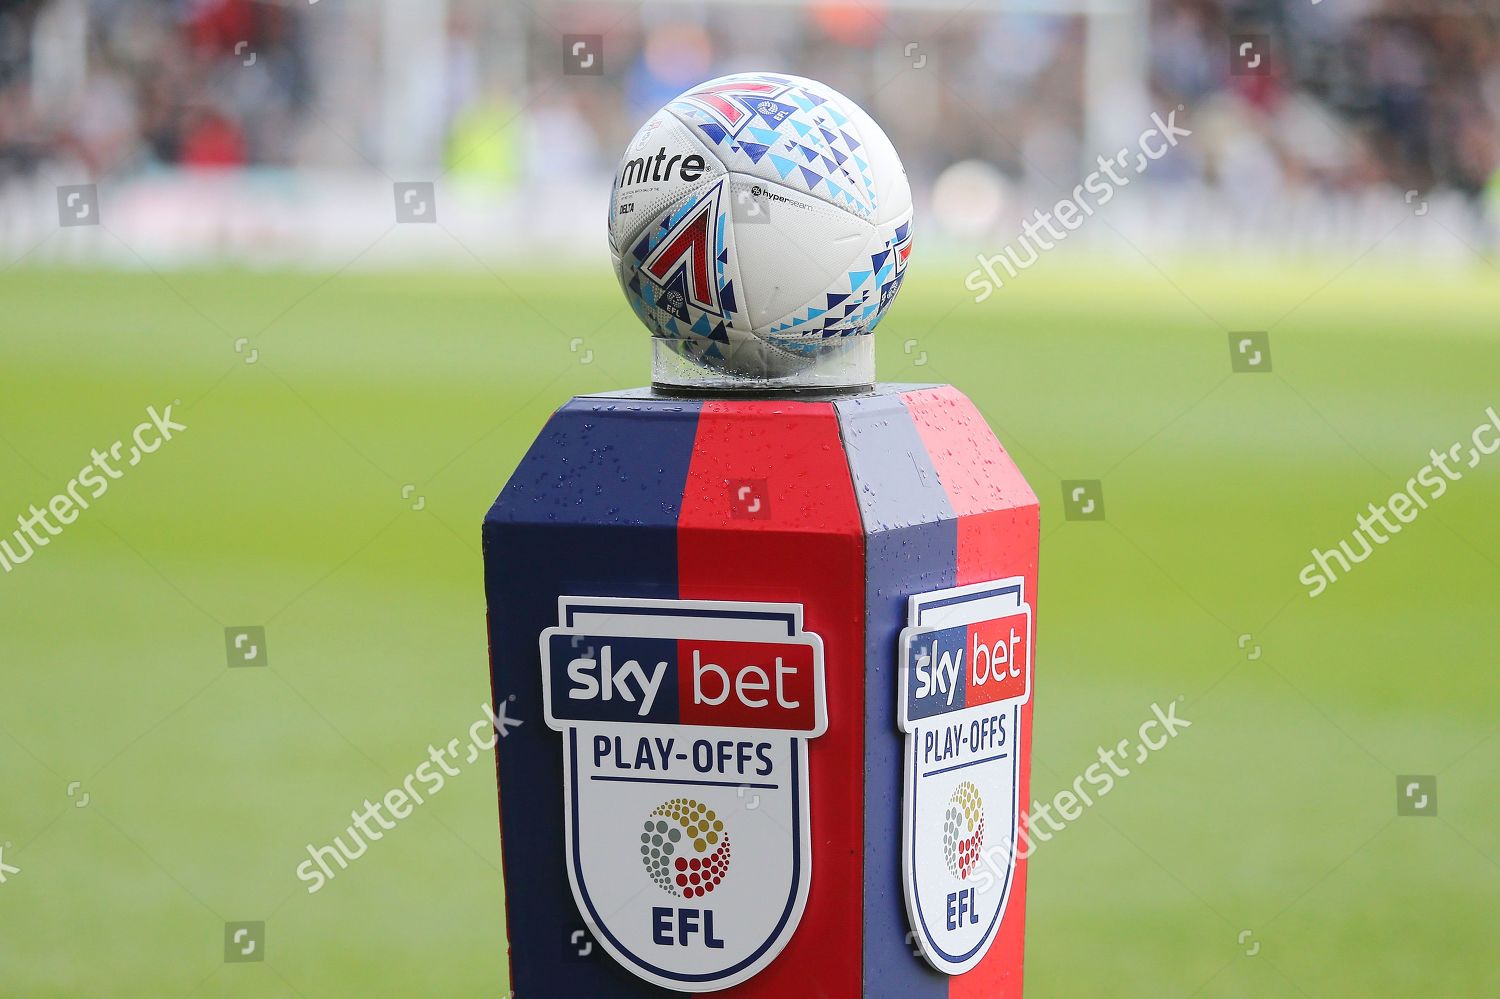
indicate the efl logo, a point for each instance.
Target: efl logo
{"x":671,"y":711}
{"x":965,"y":672}
{"x":963,"y":832}
{"x":685,"y":849}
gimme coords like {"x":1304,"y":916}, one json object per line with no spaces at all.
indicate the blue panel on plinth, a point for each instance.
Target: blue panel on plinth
{"x":911,"y":546}
{"x":591,"y":510}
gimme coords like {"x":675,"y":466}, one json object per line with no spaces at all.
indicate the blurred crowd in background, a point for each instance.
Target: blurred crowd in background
{"x":1350,"y":95}
{"x":1402,"y":91}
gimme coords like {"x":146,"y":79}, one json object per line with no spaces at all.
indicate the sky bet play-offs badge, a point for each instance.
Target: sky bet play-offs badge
{"x":965,"y":672}
{"x":685,"y":726}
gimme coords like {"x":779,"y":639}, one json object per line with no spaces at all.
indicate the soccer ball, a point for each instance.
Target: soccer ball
{"x":758,"y":221}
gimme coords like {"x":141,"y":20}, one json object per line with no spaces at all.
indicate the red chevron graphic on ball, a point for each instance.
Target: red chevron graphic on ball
{"x":688,"y":247}
{"x":730,"y":112}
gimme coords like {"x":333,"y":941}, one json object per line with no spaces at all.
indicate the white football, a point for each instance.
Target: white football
{"x":756,"y":219}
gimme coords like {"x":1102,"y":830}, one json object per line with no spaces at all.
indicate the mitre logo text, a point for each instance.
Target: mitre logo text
{"x":659,"y":168}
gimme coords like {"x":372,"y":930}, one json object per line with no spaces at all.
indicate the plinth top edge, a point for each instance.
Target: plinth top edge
{"x":658,"y":394}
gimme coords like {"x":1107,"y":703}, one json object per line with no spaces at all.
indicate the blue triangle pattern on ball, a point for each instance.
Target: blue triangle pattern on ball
{"x":758,"y":125}
{"x":783,"y":166}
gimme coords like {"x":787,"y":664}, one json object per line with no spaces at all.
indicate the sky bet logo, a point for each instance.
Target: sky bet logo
{"x":680,"y":681}
{"x":965,"y":665}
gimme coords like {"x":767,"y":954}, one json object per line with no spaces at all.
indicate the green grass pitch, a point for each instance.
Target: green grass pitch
{"x":1259,"y":854}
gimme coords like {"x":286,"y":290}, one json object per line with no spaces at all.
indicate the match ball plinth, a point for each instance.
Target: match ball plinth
{"x":773,"y":663}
